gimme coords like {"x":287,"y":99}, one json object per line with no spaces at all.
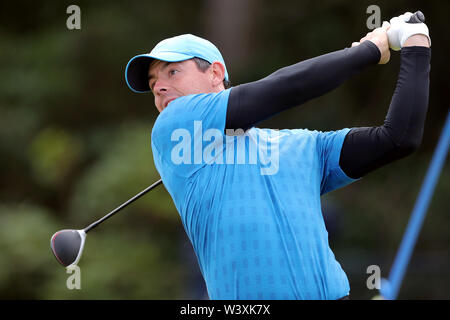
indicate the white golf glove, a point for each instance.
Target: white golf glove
{"x":400,"y":30}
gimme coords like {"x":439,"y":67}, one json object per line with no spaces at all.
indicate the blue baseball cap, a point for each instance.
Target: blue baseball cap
{"x":179,"y":48}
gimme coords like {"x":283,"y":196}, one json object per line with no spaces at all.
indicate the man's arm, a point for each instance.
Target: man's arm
{"x":366,"y":149}
{"x":292,"y":86}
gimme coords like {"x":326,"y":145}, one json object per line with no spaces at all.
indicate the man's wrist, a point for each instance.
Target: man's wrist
{"x":417,"y":40}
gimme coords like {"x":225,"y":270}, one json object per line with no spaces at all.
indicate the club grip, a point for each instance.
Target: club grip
{"x":417,"y":17}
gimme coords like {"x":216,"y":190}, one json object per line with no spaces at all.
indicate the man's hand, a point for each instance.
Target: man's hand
{"x":400,"y":31}
{"x":380,"y":39}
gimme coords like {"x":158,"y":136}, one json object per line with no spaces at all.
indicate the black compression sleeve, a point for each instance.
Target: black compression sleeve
{"x":291,"y":86}
{"x":366,"y":149}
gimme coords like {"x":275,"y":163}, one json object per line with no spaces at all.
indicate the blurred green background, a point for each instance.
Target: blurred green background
{"x":75,"y":142}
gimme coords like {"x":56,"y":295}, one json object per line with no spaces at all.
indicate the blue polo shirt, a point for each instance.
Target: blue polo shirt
{"x":250,"y":202}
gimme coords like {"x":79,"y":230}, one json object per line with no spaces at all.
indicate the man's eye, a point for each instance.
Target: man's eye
{"x":172,"y":72}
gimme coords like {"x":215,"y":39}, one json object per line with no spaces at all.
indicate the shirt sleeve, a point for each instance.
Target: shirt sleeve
{"x":366,"y":149}
{"x":329,"y":145}
{"x":292,"y":86}
{"x":183,"y":129}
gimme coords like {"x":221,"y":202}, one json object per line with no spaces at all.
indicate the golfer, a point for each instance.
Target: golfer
{"x":254,"y":218}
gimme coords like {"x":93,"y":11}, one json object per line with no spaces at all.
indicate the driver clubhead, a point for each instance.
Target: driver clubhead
{"x":67,"y":246}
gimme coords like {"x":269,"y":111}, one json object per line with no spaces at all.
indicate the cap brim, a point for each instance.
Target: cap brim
{"x":136,"y":72}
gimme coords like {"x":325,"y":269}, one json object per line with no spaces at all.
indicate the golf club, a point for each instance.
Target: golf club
{"x":67,"y":245}
{"x":417,"y":17}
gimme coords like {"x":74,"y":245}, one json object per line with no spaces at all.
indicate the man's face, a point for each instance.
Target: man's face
{"x":170,"y":80}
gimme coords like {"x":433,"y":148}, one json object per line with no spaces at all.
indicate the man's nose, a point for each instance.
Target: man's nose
{"x":160,"y":87}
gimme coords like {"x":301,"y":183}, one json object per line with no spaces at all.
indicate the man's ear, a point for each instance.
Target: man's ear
{"x":218,"y":73}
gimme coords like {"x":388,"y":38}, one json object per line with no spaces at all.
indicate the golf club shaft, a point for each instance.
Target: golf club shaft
{"x":109,"y":215}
